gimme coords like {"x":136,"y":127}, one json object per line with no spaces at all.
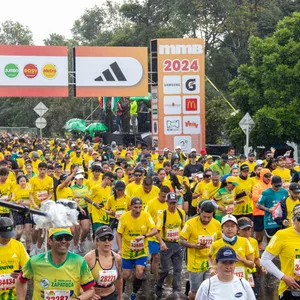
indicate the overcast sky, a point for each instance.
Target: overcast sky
{"x":45,"y":17}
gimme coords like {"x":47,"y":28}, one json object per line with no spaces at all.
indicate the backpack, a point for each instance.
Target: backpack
{"x":165,"y":217}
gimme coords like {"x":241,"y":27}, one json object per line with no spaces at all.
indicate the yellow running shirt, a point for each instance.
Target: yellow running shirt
{"x":194,"y":231}
{"x":146,"y":197}
{"x":130,"y":228}
{"x":170,"y":231}
{"x":155,"y":208}
{"x":100,"y":195}
{"x":56,"y":281}
{"x":5,"y":190}
{"x":131,"y":188}
{"x":285,"y":244}
{"x":13,"y":256}
{"x":41,"y":188}
{"x":119,"y":205}
{"x":241,"y":247}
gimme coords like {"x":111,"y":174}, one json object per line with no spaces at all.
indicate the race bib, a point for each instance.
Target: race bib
{"x":56,"y":295}
{"x":172,"y":234}
{"x":136,"y":245}
{"x":6,"y":282}
{"x":107,"y":277}
{"x":239,"y":272}
{"x":42,"y":195}
{"x":297,"y":267}
{"x":119,"y":213}
{"x":206,"y":239}
{"x":251,"y":280}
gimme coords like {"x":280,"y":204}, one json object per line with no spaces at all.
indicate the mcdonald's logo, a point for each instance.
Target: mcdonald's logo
{"x":191,"y":104}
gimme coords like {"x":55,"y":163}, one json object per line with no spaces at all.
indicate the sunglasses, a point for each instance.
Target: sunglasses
{"x":268,"y":175}
{"x":130,"y":174}
{"x":137,"y":175}
{"x":297,"y":218}
{"x":207,"y":176}
{"x":106,"y":238}
{"x":62,"y":237}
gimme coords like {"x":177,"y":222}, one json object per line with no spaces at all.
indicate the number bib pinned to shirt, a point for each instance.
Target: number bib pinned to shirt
{"x":297,"y":267}
{"x":107,"y":277}
{"x":137,"y":245}
{"x":240,"y":272}
{"x":172,"y":235}
{"x":251,"y":280}
{"x":7,"y":282}
{"x":206,"y":239}
{"x":56,"y":295}
{"x":42,"y":195}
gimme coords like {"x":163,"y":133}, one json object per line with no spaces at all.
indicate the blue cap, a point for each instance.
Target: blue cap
{"x":226,"y":254}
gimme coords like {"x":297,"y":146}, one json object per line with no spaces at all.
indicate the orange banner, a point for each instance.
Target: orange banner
{"x":111,"y":71}
{"x":180,"y":104}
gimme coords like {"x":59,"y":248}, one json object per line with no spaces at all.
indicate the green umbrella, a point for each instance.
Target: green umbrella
{"x":145,"y":98}
{"x":75,"y":126}
{"x":96,"y":127}
{"x":76,"y":120}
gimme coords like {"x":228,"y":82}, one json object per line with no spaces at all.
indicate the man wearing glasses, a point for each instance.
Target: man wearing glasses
{"x":286,"y":244}
{"x":133,"y":186}
{"x":134,"y":229}
{"x":61,"y":276}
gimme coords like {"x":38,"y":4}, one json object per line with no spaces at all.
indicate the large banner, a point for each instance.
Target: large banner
{"x":33,"y":71}
{"x":111,"y":71}
{"x":180,"y":104}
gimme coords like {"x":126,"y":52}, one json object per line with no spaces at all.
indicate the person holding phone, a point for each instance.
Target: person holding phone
{"x":286,"y":244}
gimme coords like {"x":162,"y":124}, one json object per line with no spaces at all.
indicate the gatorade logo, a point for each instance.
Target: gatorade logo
{"x":30,"y":71}
{"x":49,"y":71}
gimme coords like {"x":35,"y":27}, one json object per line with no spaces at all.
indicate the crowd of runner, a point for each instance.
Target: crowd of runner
{"x":143,"y":207}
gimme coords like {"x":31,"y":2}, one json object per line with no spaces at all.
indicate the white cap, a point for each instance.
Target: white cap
{"x":79,"y":176}
{"x":178,"y":147}
{"x":200,"y":175}
{"x":193,"y":150}
{"x":80,"y":171}
{"x":85,"y":146}
{"x":73,"y":145}
{"x":166,"y":149}
{"x":229,"y":218}
{"x":259,"y":162}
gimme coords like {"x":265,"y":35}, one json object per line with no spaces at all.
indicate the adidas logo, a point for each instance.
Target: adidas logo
{"x":14,"y":255}
{"x":113,"y":70}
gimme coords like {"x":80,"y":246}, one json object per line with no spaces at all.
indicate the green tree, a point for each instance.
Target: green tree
{"x":14,"y":33}
{"x":268,"y":87}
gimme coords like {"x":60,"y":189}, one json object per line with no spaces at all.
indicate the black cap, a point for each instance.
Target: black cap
{"x":120,"y":185}
{"x":144,"y":161}
{"x":276,"y":181}
{"x":251,"y":154}
{"x":160,"y":157}
{"x":278,"y":158}
{"x":172,"y":197}
{"x":136,"y":200}
{"x":226,"y":254}
{"x":6,"y":228}
{"x":175,"y":167}
{"x":63,"y":177}
{"x":224,"y":157}
{"x":243,"y":156}
{"x":192,"y":155}
{"x":294,"y":187}
{"x":244,"y":167}
{"x":103,"y":231}
{"x":244,"y":224}
{"x":147,"y":155}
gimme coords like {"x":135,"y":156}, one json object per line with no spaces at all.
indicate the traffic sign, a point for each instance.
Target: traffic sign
{"x":40,"y":122}
{"x":246,"y":121}
{"x":41,"y":109}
